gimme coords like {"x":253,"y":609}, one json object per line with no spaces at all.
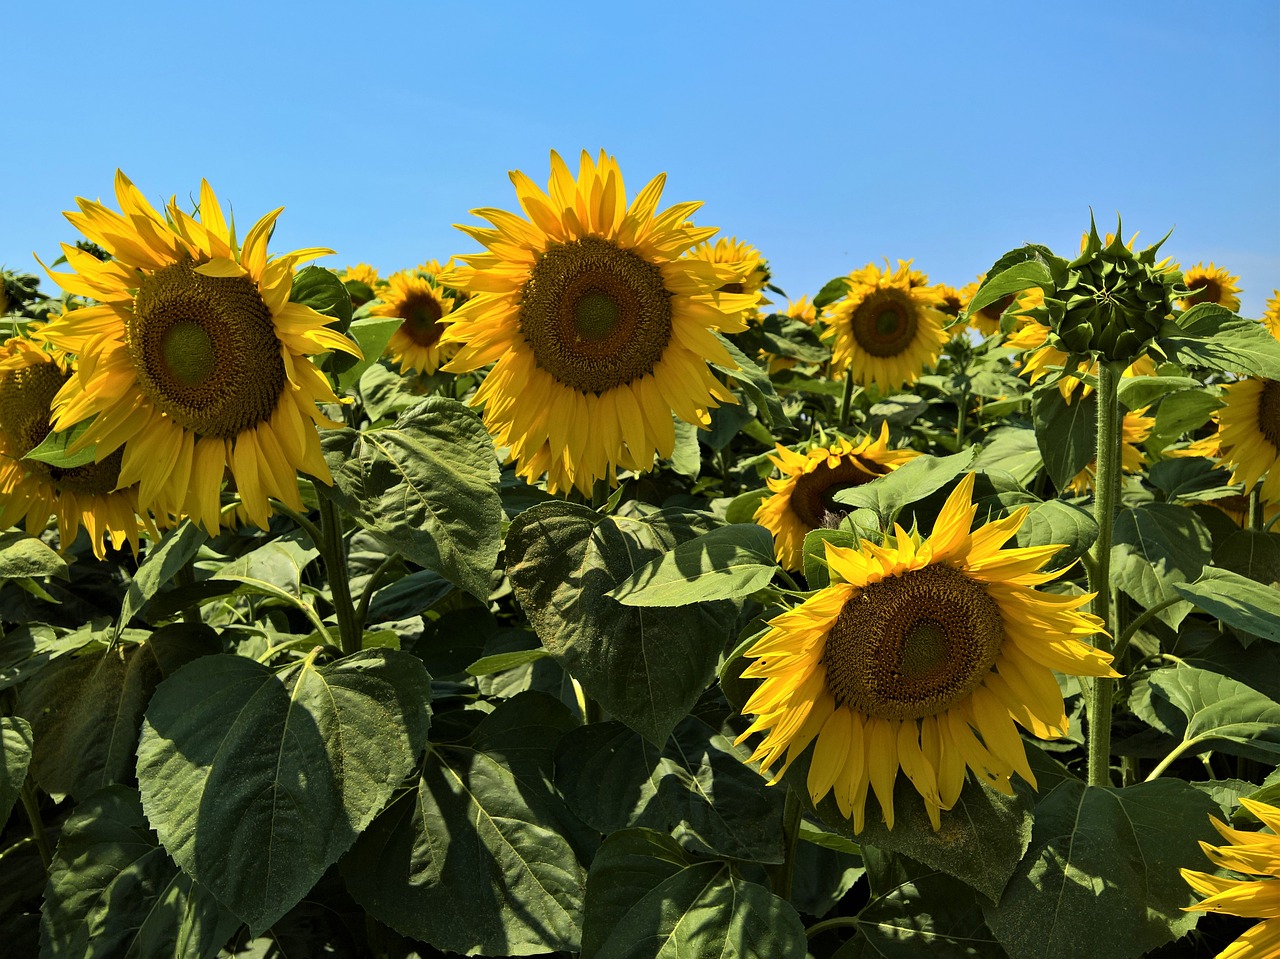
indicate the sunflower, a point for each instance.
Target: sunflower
{"x":915,"y":650}
{"x":1272,"y":315}
{"x":33,"y":491}
{"x":194,"y":360}
{"x":417,"y":298}
{"x":1253,"y":854}
{"x":1134,"y":429}
{"x":362,"y":282}
{"x":952,"y":301}
{"x":802,"y":496}
{"x":597,"y":327}
{"x":888,"y":327}
{"x":1249,"y":434}
{"x":743,"y":257}
{"x":1210,"y":284}
{"x":987,"y":320}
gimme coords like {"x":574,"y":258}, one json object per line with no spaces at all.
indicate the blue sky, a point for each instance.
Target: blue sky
{"x":828,"y":135}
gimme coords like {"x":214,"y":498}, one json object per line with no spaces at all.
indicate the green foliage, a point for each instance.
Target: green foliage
{"x":1215,"y":712}
{"x":1066,"y":433}
{"x":178,"y":548}
{"x":726,"y":563}
{"x":1156,"y":546}
{"x":1213,"y":338}
{"x":1236,"y":600}
{"x":257,"y":781}
{"x":15,"y":757}
{"x":648,"y":899}
{"x":888,"y":495}
{"x":473,"y":856}
{"x":563,"y":561}
{"x":55,"y":448}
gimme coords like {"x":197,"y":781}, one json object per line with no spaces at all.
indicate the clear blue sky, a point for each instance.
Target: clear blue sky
{"x":828,"y":135}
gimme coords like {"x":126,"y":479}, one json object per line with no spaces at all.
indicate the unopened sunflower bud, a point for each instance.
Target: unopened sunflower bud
{"x":1113,"y":300}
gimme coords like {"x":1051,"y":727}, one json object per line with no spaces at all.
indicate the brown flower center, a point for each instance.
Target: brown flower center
{"x":595,"y":315}
{"x":813,"y":499}
{"x":421,"y":313}
{"x":1208,"y":290}
{"x":1269,"y":412}
{"x":914,"y":644}
{"x":205,"y":350}
{"x":884,"y":324}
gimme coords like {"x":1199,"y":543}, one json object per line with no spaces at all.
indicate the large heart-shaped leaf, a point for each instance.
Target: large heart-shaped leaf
{"x":257,"y":781}
{"x":726,"y":563}
{"x":1154,"y":547}
{"x":15,"y":756}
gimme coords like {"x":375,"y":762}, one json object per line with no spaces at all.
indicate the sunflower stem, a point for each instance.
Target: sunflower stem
{"x":371,"y":586}
{"x":32,"y":807}
{"x":847,"y":400}
{"x":1107,"y":493}
{"x":783,"y":875}
{"x":838,"y":922}
{"x":962,"y":418}
{"x":1122,"y":644}
{"x":335,"y":564}
{"x":1255,"y":508}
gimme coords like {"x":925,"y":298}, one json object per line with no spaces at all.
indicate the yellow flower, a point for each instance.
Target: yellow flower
{"x":597,"y":326}
{"x":1249,"y":434}
{"x":33,"y":491}
{"x":952,"y":301}
{"x":888,"y":327}
{"x":1253,"y":854}
{"x":987,"y":320}
{"x":193,"y":358}
{"x":365,"y":275}
{"x":1272,"y":315}
{"x":802,"y":496}
{"x":1210,"y":284}
{"x":417,"y":298}
{"x":1134,"y":429}
{"x":743,"y":257}
{"x":916,"y":650}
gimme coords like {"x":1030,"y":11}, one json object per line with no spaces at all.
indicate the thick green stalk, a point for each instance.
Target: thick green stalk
{"x":1106,"y":497}
{"x":783,"y":875}
{"x":32,"y":807}
{"x":847,"y":398}
{"x":334,"y":554}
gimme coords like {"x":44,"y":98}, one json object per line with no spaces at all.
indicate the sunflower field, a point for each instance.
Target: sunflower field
{"x":588,"y":596}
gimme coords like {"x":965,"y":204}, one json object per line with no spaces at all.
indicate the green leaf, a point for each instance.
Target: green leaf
{"x":755,"y":382}
{"x":1183,"y":413}
{"x":178,"y":547}
{"x":501,"y":662}
{"x":384,"y":392}
{"x":114,"y":892}
{"x":1236,"y":600}
{"x":686,"y":457}
{"x":1251,"y":553}
{"x":915,"y":911}
{"x":698,"y":784}
{"x":831,"y":291}
{"x":428,"y":486}
{"x":15,"y":757}
{"x":1031,"y":272}
{"x":814,"y":550}
{"x":909,"y":483}
{"x":54,"y":448}
{"x":23,"y":556}
{"x":1012,"y":449}
{"x":1213,"y":337}
{"x":473,"y":857}
{"x":1216,"y":713}
{"x":1056,"y":522}
{"x":563,"y":560}
{"x":85,"y":710}
{"x":1139,"y":392}
{"x":1186,"y":476}
{"x":726,"y":563}
{"x":372,"y":335}
{"x":257,"y":781}
{"x":1155,"y":546}
{"x":273,"y":569}
{"x":647,"y":899}
{"x":1067,"y":434}
{"x":742,"y":508}
{"x":1101,"y":877}
{"x":324,"y":292}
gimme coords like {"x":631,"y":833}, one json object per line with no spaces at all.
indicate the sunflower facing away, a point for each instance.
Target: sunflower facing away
{"x":33,"y":491}
{"x":1252,"y":854}
{"x":888,"y":327}
{"x":416,"y":297}
{"x":193,"y":358}
{"x":916,"y":649}
{"x":802,"y":495}
{"x":1249,"y":434}
{"x":597,"y":327}
{"x":1211,"y":284}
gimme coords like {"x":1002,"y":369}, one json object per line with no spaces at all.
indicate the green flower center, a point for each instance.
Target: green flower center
{"x":596,"y":315}
{"x":188,"y":352}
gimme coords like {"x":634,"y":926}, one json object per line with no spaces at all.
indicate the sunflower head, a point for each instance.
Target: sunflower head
{"x":362,"y":282}
{"x":417,"y":298}
{"x":1112,"y":301}
{"x":1249,"y":434}
{"x":923,"y":655}
{"x":599,"y":328}
{"x":85,"y":495}
{"x":1271,"y":316}
{"x":888,"y":327}
{"x":1251,"y":854}
{"x":193,"y":359}
{"x":1210,"y":284}
{"x":803,"y":495}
